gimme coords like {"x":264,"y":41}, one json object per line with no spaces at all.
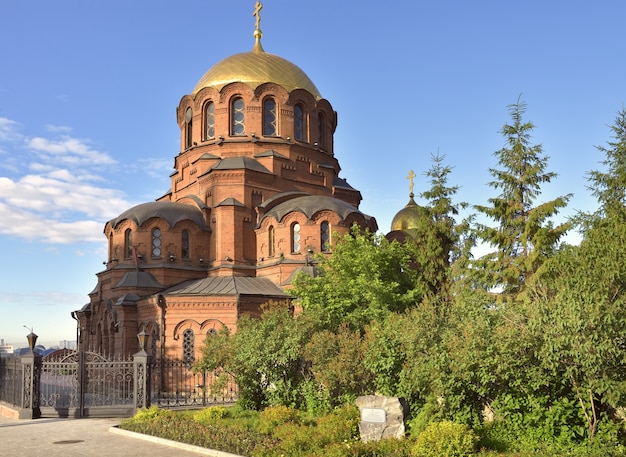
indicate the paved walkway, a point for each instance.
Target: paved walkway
{"x":84,"y":437}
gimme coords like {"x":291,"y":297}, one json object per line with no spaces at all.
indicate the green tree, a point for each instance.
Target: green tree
{"x":366,"y":277}
{"x":524,"y":236}
{"x":609,"y":186}
{"x":264,"y":355}
{"x":580,"y":314}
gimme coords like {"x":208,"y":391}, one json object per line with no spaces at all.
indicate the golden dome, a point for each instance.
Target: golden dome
{"x":407,"y":219}
{"x":255,"y":68}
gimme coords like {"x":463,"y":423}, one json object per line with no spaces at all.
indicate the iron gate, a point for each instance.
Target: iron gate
{"x":85,"y":384}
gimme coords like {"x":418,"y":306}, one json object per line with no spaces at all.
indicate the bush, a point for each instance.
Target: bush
{"x":445,"y":439}
{"x":277,"y":415}
{"x":211,"y":415}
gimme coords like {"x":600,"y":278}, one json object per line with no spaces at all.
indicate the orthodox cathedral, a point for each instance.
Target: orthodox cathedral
{"x":255,"y":193}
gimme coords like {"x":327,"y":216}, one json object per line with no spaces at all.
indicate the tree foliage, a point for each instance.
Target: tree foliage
{"x":540,"y":368}
{"x":524,"y":236}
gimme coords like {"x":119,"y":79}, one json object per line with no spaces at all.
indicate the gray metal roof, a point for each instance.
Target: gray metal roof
{"x":227,"y":286}
{"x":170,"y":211}
{"x":138,"y":279}
{"x":309,"y":205}
{"x":270,"y":153}
{"x":239,"y":163}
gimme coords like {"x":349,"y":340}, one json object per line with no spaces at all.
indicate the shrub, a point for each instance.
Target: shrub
{"x":211,"y":415}
{"x":277,"y":415}
{"x":445,"y":439}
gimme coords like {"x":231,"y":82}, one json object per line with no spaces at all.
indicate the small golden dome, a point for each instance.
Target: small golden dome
{"x":255,"y":68}
{"x":407,"y":219}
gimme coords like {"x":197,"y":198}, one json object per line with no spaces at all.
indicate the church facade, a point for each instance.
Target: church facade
{"x":256,"y":192}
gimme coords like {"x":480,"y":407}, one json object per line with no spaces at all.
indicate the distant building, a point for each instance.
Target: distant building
{"x":255,"y":193}
{"x":6,"y":349}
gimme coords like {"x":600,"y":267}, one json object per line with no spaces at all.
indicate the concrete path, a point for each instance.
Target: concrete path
{"x":84,"y":437}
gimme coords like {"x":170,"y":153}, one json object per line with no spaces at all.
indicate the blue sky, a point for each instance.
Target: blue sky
{"x":88,"y":92}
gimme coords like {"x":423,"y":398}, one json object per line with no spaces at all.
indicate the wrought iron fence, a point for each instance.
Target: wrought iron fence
{"x":174,"y":384}
{"x":81,"y":384}
{"x":86,"y":384}
{"x":10,"y":380}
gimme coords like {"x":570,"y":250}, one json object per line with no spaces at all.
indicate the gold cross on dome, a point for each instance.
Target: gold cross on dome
{"x":410,"y":178}
{"x":257,"y":12}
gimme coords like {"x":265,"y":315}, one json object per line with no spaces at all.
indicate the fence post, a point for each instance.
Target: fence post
{"x":31,"y":382}
{"x":141,"y":382}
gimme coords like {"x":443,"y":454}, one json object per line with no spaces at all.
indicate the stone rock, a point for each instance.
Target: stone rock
{"x":381,"y":417}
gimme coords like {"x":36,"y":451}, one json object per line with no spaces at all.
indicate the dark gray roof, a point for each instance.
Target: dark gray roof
{"x":206,"y":156}
{"x":280,"y":198}
{"x":340,"y":182}
{"x":230,"y":202}
{"x":127,"y":299}
{"x":227,"y":285}
{"x":170,"y":211}
{"x":309,"y":205}
{"x":270,"y":153}
{"x":138,"y":279}
{"x":239,"y":163}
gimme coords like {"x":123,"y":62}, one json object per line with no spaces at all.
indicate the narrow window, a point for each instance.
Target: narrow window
{"x":269,"y":117}
{"x":189,"y":349}
{"x":271,"y":241}
{"x":295,"y":237}
{"x":209,"y":117}
{"x":185,"y":244}
{"x":156,"y":242}
{"x":298,"y":123}
{"x":188,"y":129}
{"x":237,"y":117}
{"x":325,"y":236}
{"x":321,"y":121}
{"x":128,"y":244}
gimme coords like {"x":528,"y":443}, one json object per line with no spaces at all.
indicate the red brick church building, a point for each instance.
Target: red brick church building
{"x":256,"y":192}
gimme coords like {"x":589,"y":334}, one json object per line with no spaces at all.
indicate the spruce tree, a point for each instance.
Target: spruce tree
{"x":523,"y":236}
{"x":609,"y":186}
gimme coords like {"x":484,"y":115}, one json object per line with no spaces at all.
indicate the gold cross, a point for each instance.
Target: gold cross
{"x":257,"y":12}
{"x":410,"y":178}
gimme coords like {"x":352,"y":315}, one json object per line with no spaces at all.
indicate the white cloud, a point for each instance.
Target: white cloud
{"x":8,"y":130}
{"x":69,"y":151}
{"x":58,"y":201}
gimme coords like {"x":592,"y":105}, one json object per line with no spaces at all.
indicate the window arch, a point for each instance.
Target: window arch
{"x":270,"y":127}
{"x":298,"y":123}
{"x":188,"y":128}
{"x":209,"y":121}
{"x":295,"y":237}
{"x":325,"y":236}
{"x":237,"y":111}
{"x":156,"y":242}
{"x":184,"y":243}
{"x":321,"y":125}
{"x":189,"y":349}
{"x":271,"y":241}
{"x":128,"y":244}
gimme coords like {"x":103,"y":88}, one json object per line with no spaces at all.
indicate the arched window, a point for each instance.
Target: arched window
{"x":298,"y":123}
{"x":321,"y":124}
{"x":189,"y":349}
{"x":185,"y":244}
{"x":269,"y":117}
{"x":156,"y":242}
{"x":325,"y":236}
{"x":237,"y":117}
{"x":111,"y":252}
{"x":271,"y":241}
{"x":188,"y":129}
{"x":128,"y":244}
{"x":295,"y":237}
{"x":209,"y":121}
